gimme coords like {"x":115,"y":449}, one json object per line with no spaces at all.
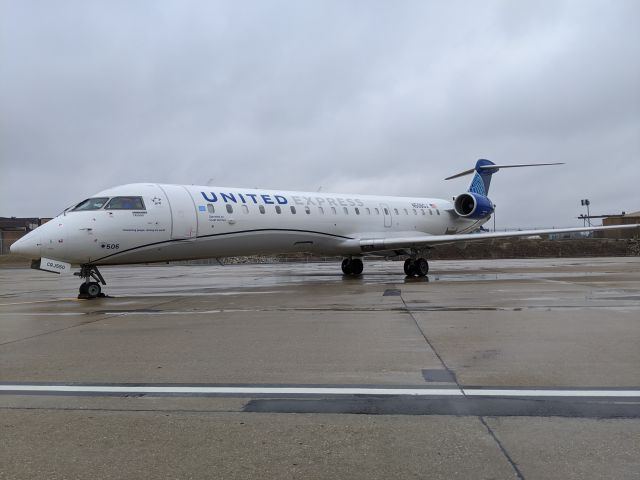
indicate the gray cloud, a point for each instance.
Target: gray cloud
{"x":364,"y":97}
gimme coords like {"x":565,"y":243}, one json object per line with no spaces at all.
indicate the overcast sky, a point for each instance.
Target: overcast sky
{"x":351,"y":96}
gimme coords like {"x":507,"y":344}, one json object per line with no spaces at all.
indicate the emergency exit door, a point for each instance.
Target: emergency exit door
{"x":386,"y":213}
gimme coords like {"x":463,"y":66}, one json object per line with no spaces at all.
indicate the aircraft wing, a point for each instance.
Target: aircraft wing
{"x":391,"y":243}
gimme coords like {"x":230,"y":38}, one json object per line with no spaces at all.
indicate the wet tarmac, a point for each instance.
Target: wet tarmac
{"x":484,"y":369}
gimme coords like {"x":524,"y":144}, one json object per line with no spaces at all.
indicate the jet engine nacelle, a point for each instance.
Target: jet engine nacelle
{"x":473,"y":205}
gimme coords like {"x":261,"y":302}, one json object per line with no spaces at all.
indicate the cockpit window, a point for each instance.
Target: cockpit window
{"x":125,"y":203}
{"x":91,"y":204}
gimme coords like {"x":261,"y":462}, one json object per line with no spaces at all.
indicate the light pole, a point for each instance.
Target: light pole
{"x":586,"y":203}
{"x":494,"y":217}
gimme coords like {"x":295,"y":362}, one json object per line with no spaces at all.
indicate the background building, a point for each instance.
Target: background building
{"x":623,"y":219}
{"x":11,"y":229}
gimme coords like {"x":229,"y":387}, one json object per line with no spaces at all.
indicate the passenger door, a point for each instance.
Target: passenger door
{"x":184,"y":221}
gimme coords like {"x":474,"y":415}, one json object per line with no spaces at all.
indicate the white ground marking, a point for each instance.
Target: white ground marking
{"x":231,"y":390}
{"x":38,"y":301}
{"x":549,"y":393}
{"x":420,"y":392}
{"x":42,"y":314}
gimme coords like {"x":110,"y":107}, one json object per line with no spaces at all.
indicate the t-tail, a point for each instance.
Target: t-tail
{"x":475,"y":203}
{"x":484,"y":169}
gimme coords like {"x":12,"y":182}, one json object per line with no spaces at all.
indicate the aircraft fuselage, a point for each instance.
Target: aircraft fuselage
{"x":175,"y":222}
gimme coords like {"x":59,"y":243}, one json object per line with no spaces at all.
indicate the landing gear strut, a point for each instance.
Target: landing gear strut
{"x":352,"y":266}
{"x":418,"y":267}
{"x":88,"y":288}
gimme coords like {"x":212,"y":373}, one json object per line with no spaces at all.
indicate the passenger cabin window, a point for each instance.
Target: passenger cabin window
{"x":377,"y":211}
{"x":293,"y":209}
{"x":386,"y":212}
{"x":437,"y":211}
{"x":406,"y":212}
{"x":91,"y":204}
{"x":395,"y":210}
{"x":229,"y":208}
{"x":278,"y":209}
{"x":321,"y":210}
{"x":346,"y":210}
{"x":415,"y":212}
{"x":125,"y":203}
{"x":357,"y":211}
{"x":333,"y":210}
{"x":210,"y":208}
{"x":245,"y":209}
{"x":430,"y":212}
{"x":368,"y":211}
{"x":423,"y":212}
{"x":261,"y":208}
{"x":307,"y":210}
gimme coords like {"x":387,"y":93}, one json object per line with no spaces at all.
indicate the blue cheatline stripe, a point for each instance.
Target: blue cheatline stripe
{"x":177,"y":240}
{"x":274,"y":390}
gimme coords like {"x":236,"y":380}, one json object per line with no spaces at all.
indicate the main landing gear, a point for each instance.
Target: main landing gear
{"x":90,"y":289}
{"x":416,"y":267}
{"x":352,"y":266}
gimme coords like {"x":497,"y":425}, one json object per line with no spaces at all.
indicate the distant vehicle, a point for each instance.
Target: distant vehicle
{"x":148,"y":222}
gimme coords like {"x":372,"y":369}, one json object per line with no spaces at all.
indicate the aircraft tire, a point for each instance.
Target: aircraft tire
{"x":346,"y":266}
{"x":409,"y":268}
{"x":356,"y":266}
{"x":83,"y":289}
{"x":93,"y":290}
{"x":421,"y":267}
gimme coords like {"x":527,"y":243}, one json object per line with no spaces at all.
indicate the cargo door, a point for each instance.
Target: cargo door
{"x":184,"y":221}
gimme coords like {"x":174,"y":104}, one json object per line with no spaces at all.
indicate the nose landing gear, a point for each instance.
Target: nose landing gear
{"x":90,"y":289}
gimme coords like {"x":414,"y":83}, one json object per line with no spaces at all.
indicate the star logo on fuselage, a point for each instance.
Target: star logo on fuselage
{"x":156,"y":201}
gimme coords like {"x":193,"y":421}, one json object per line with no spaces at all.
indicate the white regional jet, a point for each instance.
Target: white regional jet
{"x":144,"y":222}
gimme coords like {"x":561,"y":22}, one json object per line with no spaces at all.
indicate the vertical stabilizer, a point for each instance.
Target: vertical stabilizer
{"x":482,"y":177}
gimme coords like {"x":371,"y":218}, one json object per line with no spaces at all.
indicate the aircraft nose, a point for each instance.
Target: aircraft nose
{"x":27,"y":246}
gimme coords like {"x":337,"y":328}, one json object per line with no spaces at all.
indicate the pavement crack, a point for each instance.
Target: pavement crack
{"x":431,"y":346}
{"x":80,"y":324}
{"x":502,"y":448}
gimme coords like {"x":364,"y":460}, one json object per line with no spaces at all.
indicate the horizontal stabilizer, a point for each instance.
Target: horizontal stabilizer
{"x":494,"y":168}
